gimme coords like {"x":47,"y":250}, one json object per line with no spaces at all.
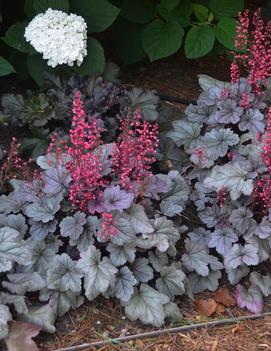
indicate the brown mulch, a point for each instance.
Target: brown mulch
{"x":97,"y":321}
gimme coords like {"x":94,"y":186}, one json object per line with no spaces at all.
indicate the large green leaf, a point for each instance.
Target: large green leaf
{"x":161,"y":39}
{"x":37,"y":67}
{"x":138,"y":11}
{"x":127,"y":41}
{"x":98,"y":14}
{"x":199,"y":41}
{"x":181,"y":13}
{"x":14,"y":37}
{"x":226,"y":32}
{"x":226,"y":8}
{"x":5,"y":67}
{"x":201,"y":12}
{"x":43,"y":5}
{"x":29,"y":8}
{"x":169,"y":4}
{"x":94,"y":62}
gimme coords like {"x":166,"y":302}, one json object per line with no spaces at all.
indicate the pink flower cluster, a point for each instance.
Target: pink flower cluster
{"x":262,"y":189}
{"x":85,"y":166}
{"x":253,"y":49}
{"x":13,"y":165}
{"x":108,"y":228}
{"x":133,"y":154}
{"x":131,"y":159}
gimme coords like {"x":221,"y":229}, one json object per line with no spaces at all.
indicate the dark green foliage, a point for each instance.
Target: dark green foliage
{"x":139,"y":28}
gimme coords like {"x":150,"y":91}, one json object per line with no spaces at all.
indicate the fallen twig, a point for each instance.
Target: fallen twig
{"x":165,"y":331}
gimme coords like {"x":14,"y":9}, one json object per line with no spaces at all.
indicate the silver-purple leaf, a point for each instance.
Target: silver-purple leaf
{"x":116,"y":199}
{"x":228,"y":112}
{"x":72,"y":226}
{"x":222,"y":239}
{"x":238,"y":255}
{"x":251,"y":298}
{"x":56,"y":180}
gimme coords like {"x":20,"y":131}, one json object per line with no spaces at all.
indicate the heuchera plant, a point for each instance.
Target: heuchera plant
{"x":112,"y":226}
{"x":96,"y":210}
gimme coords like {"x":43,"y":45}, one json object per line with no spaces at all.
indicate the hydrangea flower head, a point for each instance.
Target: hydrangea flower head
{"x":59,"y":37}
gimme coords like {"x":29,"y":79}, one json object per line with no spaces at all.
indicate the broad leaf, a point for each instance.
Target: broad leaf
{"x":139,"y":219}
{"x":185,"y":133}
{"x":9,"y":204}
{"x":98,"y":273}
{"x":43,"y":316}
{"x":226,"y":32}
{"x":87,"y":237}
{"x":40,"y":230}
{"x":12,"y":249}
{"x":43,"y":5}
{"x":174,"y":199}
{"x":165,"y":234}
{"x":251,"y":298}
{"x":158,"y":259}
{"x":20,"y":283}
{"x":236,"y":274}
{"x":171,"y":282}
{"x":200,"y":236}
{"x":141,"y":270}
{"x":238,"y":255}
{"x":232,"y":177}
{"x":126,"y":231}
{"x":98,"y":14}
{"x":94,"y":62}
{"x":226,"y":8}
{"x":5,"y":317}
{"x":45,"y":209}
{"x":228,"y":112}
{"x":206,"y":82}
{"x":20,"y":336}
{"x":17,"y":222}
{"x":199,"y":283}
{"x":119,"y":255}
{"x":222,"y":239}
{"x":241,"y":219}
{"x":56,"y":180}
{"x":147,"y":102}
{"x":173,"y":313}
{"x":138,"y":11}
{"x":197,"y":258}
{"x":252,"y":121}
{"x":127,"y":41}
{"x":124,"y":285}
{"x":199,"y":41}
{"x":41,"y":256}
{"x":5,"y":67}
{"x":64,"y":275}
{"x":161,"y":39}
{"x":14,"y":37}
{"x":147,"y":305}
{"x":117,"y":199}
{"x":263,"y":282}
{"x":17,"y":301}
{"x":72,"y":226}
{"x":217,"y":142}
{"x":66,"y":300}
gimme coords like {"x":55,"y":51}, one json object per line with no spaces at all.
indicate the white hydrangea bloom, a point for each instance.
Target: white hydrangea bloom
{"x":59,"y":37}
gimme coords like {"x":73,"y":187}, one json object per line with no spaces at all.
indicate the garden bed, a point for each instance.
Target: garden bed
{"x":139,"y":209}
